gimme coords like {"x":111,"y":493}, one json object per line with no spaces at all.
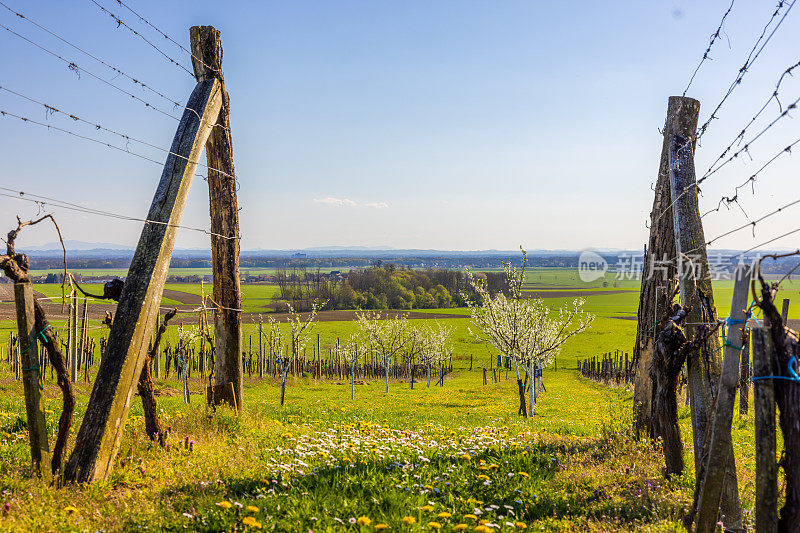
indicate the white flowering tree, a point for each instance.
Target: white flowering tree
{"x":417,"y":343}
{"x":349,"y":351}
{"x":524,"y":329}
{"x":438,"y":347}
{"x":386,"y":338}
{"x":299,"y":330}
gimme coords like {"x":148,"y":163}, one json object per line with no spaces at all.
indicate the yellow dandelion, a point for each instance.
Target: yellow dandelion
{"x":70,"y":509}
{"x":249,"y":521}
{"x":428,"y":487}
{"x":363,"y":521}
{"x":520,"y":525}
{"x":483,"y":477}
{"x":444,"y":514}
{"x":460,"y":527}
{"x":470,"y":517}
{"x":381,"y":527}
{"x":252,"y":508}
{"x":523,"y":474}
{"x":409,"y":520}
{"x":482,"y":529}
{"x":225,"y":504}
{"x":466,"y":457}
{"x":427,"y":508}
{"x":434,"y":525}
{"x":257,"y":525}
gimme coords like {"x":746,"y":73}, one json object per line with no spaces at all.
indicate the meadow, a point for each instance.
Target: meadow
{"x":450,"y":458}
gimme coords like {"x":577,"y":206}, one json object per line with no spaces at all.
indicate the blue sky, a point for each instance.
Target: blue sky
{"x":448,"y":124}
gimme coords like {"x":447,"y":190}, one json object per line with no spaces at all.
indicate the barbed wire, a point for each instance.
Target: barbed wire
{"x":94,"y":57}
{"x":740,"y":137}
{"x":126,"y":137}
{"x":752,"y":224}
{"x":727,"y":200}
{"x":751,"y":59}
{"x":176,"y":43}
{"x":770,"y":241}
{"x":122,"y":23}
{"x":44,"y":201}
{"x":78,"y":70}
{"x":714,"y":37}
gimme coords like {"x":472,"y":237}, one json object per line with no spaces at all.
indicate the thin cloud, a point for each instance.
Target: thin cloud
{"x":335,"y":201}
{"x":346,"y":202}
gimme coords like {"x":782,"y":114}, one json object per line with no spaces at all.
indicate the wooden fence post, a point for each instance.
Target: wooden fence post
{"x":657,"y":267}
{"x":785,"y":310}
{"x":744,"y":377}
{"x":694,"y":279}
{"x":73,"y":338}
{"x":717,"y":467}
{"x":207,"y":62}
{"x":99,"y":436}
{"x":766,"y":446}
{"x":31,"y":378}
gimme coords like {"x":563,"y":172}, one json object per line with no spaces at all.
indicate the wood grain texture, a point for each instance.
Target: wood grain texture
{"x":223,"y":207}
{"x":34,"y":400}
{"x":694,"y":279}
{"x":766,"y":445}
{"x":721,"y":443}
{"x":102,"y":428}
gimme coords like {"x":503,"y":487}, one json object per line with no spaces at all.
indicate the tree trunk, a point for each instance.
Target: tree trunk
{"x":283,"y":386}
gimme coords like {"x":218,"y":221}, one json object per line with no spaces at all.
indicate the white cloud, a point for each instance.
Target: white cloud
{"x":346,"y":202}
{"x":335,"y":201}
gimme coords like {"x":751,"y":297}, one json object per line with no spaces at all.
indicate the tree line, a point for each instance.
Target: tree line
{"x":382,"y":286}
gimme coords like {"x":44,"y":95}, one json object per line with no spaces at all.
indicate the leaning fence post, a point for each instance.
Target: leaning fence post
{"x":785,"y":310}
{"x":100,"y":433}
{"x":32,"y":379}
{"x":694,"y":280}
{"x":764,"y":409}
{"x":718,"y":467}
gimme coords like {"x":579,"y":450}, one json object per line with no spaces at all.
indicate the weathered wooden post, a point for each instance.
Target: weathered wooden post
{"x":711,"y":485}
{"x":658,"y":266}
{"x":73,"y":338}
{"x":785,"y":310}
{"x":31,"y":379}
{"x":694,"y":280}
{"x":744,"y":376}
{"x":99,"y":436}
{"x":207,"y":62}
{"x":766,"y":445}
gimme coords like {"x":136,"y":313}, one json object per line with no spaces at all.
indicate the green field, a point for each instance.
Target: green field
{"x":323,"y":460}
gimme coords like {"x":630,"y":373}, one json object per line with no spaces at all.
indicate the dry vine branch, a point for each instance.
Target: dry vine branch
{"x":15,"y":266}
{"x":671,"y":351}
{"x":152,"y":425}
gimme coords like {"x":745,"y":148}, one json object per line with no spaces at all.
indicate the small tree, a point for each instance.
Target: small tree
{"x":386,"y":338}
{"x":524,"y":329}
{"x":349,"y":352}
{"x":417,"y":344}
{"x":298,"y":336}
{"x":438,"y":347}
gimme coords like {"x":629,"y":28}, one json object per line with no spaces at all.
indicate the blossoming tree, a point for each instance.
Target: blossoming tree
{"x":438,"y":347}
{"x":386,"y":338}
{"x":524,"y":329}
{"x":299,"y":330}
{"x":349,"y":351}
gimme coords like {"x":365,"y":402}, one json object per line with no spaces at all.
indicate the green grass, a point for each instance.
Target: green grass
{"x":323,"y":457}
